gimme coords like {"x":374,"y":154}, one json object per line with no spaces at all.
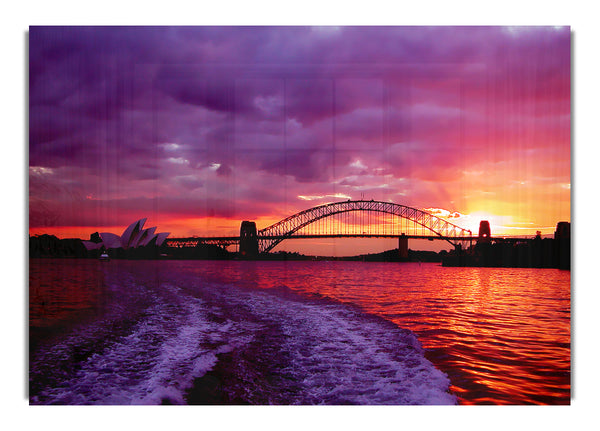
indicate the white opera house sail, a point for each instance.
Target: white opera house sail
{"x":133,"y":237}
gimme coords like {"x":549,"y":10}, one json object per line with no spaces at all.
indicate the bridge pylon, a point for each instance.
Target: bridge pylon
{"x":484,"y":232}
{"x":403,"y":246}
{"x":248,"y":240}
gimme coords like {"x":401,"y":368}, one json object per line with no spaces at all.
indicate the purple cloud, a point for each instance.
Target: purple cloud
{"x":177,"y":115}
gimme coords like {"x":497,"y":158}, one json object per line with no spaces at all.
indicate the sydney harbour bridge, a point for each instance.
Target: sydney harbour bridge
{"x":346,"y":219}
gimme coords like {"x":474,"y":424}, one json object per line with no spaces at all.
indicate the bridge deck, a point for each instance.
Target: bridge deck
{"x":236,"y":239}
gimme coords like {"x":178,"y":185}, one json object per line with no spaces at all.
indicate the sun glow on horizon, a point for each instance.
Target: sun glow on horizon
{"x":501,"y":225}
{"x":221,"y":226}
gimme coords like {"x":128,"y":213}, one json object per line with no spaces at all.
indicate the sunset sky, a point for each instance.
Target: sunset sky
{"x":199,"y":128}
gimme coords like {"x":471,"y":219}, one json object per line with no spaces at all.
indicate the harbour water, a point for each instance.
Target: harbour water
{"x":251,"y":332}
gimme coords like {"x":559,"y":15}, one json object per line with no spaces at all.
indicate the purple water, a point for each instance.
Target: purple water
{"x":180,"y":332}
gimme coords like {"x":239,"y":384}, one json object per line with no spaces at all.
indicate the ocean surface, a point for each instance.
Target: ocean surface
{"x":236,"y":332}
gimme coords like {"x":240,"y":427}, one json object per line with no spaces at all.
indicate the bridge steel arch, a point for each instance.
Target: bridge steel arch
{"x":272,"y":235}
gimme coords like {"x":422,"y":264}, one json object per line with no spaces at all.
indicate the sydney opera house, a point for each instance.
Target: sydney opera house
{"x":133,"y":237}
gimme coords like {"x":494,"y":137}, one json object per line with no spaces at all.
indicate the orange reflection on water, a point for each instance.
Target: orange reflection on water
{"x":501,"y":334}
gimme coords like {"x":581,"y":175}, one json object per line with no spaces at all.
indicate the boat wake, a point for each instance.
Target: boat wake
{"x":197,"y":342}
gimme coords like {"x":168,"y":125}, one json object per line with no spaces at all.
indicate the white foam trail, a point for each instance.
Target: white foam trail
{"x":331,"y":353}
{"x":157,"y":360}
{"x":343,"y":356}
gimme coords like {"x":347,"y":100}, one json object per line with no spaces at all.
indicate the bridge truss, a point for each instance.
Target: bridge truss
{"x":348,"y":219}
{"x":361,"y":219}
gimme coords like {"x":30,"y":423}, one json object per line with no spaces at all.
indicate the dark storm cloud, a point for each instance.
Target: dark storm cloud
{"x":295,"y":102}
